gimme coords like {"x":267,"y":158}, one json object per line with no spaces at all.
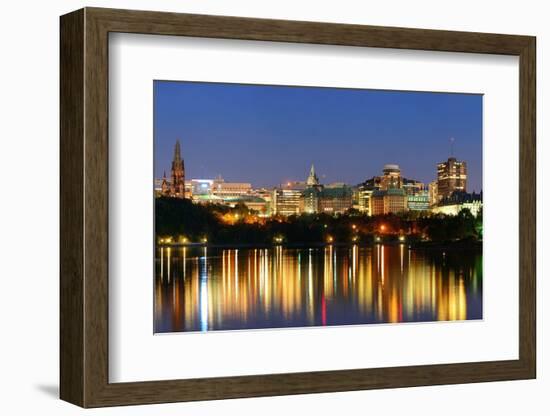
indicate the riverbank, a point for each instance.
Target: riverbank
{"x":428,"y":245}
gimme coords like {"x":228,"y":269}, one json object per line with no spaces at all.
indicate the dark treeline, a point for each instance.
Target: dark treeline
{"x":181,"y":219}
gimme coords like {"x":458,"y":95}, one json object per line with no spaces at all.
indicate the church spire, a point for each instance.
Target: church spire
{"x":177,"y":151}
{"x":177,"y":185}
{"x":312,"y":179}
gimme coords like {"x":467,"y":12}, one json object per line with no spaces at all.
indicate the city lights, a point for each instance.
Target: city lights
{"x":389,"y":193}
{"x":342,"y":228}
{"x":399,"y":202}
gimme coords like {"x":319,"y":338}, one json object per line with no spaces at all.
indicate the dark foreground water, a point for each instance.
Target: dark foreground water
{"x":205,"y":289}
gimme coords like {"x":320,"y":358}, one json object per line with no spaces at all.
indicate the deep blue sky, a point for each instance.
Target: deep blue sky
{"x":268,"y":135}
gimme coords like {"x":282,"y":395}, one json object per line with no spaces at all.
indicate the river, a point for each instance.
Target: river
{"x":208,"y":288}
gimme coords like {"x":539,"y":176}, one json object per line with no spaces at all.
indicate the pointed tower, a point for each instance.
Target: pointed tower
{"x":177,"y":186}
{"x":312,"y":179}
{"x":165,"y":187}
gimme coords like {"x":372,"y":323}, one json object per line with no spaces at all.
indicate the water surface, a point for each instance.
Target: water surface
{"x":206,"y":288}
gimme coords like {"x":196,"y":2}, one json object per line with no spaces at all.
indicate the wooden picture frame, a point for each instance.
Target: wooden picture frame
{"x":84,"y":207}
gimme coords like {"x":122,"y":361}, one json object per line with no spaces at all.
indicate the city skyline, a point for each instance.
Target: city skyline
{"x":250,"y":133}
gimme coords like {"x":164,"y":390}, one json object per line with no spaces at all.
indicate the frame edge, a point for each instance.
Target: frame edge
{"x":72,"y":298}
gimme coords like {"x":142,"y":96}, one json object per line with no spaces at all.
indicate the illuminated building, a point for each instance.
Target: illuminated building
{"x":312,"y":180}
{"x":376,"y":203}
{"x":287,"y":198}
{"x":363,"y":200}
{"x":207,"y":199}
{"x":158,"y":186}
{"x":310,"y":201}
{"x":432,"y":193}
{"x":413,"y":187}
{"x":225,"y":189}
{"x":458,"y":201}
{"x":419,"y":201}
{"x":389,"y":201}
{"x":286,"y":201}
{"x":176,"y":187}
{"x":201,"y":187}
{"x":216,"y":190}
{"x":391,"y":177}
{"x":390,"y":193}
{"x":451,"y":177}
{"x":335,"y":200}
{"x":364,"y":194}
{"x":254,"y":203}
{"x":266,"y":195}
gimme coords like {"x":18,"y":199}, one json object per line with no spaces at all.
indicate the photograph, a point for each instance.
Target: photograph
{"x":290,"y":206}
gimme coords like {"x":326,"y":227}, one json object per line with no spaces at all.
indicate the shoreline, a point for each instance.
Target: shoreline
{"x":430,"y":245}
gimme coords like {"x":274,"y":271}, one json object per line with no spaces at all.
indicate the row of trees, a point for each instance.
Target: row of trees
{"x":180,"y":218}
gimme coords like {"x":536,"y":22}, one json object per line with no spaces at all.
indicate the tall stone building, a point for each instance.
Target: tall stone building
{"x":176,"y":187}
{"x":451,"y":177}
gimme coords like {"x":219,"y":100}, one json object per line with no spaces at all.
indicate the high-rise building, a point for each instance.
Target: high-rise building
{"x":176,"y":187}
{"x":391,"y":177}
{"x":451,"y":177}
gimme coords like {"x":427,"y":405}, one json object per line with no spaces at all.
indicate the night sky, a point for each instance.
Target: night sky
{"x":269,"y":135}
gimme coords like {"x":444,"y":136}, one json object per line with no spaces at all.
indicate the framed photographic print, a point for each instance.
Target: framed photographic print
{"x":255,"y":207}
